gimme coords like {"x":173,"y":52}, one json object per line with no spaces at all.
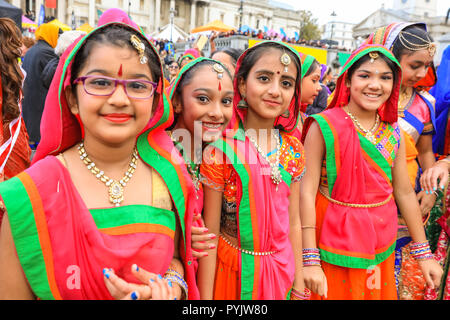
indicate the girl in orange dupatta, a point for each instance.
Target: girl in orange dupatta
{"x":251,"y":188}
{"x":348,"y":212}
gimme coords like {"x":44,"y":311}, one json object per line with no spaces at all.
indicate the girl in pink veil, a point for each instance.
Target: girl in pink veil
{"x":83,"y":229}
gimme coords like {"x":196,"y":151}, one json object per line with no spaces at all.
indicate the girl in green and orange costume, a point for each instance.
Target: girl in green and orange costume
{"x":347,"y":208}
{"x":413,"y":47}
{"x":251,"y":188}
{"x":106,"y":106}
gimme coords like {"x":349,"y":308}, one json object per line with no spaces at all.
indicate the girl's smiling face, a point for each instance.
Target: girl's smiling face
{"x":371,"y":85}
{"x":116,"y":118}
{"x":202,"y":102}
{"x":269,"y":88}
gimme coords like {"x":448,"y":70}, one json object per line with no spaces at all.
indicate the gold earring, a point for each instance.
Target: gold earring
{"x":242,"y":104}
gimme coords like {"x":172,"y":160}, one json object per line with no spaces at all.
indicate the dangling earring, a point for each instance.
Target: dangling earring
{"x":286,"y":114}
{"x":242,"y":104}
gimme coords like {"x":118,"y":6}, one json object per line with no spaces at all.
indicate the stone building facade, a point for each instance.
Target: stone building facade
{"x":152,"y":15}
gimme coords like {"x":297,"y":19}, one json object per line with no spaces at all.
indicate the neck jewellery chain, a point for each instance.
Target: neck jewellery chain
{"x":367,"y":133}
{"x":115,"y":188}
{"x":275,"y":167}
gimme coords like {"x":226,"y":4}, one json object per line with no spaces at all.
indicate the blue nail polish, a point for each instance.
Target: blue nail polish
{"x":175,"y":298}
{"x":159,"y":277}
{"x":107,"y":275}
{"x":151,"y":280}
{"x":136,"y":267}
{"x":169,"y":283}
{"x":426,"y":191}
{"x":134,"y":295}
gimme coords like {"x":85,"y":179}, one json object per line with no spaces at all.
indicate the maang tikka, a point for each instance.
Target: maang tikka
{"x":286,"y":61}
{"x":140,"y":47}
{"x":220,"y":70}
{"x":373,"y":56}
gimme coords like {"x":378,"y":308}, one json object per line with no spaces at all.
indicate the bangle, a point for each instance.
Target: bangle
{"x":421,"y":250}
{"x":175,"y":277}
{"x":297,"y":295}
{"x":443,"y":160}
{"x":311,"y":257}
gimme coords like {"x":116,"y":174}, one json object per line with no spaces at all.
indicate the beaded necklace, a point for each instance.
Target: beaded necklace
{"x":193,"y":169}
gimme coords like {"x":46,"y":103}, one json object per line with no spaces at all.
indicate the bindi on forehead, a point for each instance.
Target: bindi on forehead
{"x":119,"y":73}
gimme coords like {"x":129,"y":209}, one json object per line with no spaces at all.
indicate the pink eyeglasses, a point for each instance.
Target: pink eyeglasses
{"x":106,"y":86}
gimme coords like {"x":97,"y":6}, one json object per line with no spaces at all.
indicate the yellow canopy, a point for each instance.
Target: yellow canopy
{"x":215,"y":25}
{"x":85,"y":27}
{"x":63,"y":26}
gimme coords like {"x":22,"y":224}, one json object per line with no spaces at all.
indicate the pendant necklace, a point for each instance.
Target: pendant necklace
{"x":274,"y":166}
{"x":115,"y":188}
{"x":369,"y":134}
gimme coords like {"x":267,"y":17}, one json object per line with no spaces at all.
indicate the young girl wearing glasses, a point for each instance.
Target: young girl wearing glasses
{"x":107,"y":192}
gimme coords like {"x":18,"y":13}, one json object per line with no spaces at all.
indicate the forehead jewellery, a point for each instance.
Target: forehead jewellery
{"x":427,"y":44}
{"x":220,"y":70}
{"x":140,"y":47}
{"x":373,"y":56}
{"x":286,"y":61}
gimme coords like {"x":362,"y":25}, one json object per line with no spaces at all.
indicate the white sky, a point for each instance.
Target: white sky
{"x":350,"y":10}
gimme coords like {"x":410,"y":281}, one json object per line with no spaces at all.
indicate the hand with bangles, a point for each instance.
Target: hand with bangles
{"x":438,"y":172}
{"x":153,"y":286}
{"x":200,"y":238}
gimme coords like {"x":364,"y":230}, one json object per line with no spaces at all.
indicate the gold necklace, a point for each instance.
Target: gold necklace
{"x":403,"y":101}
{"x":115,"y":188}
{"x":193,"y":171}
{"x":367,"y":133}
{"x":274,"y":166}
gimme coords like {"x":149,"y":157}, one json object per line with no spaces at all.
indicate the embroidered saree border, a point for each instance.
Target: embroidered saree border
{"x":120,"y":221}
{"x":330,"y":137}
{"x":355,"y":260}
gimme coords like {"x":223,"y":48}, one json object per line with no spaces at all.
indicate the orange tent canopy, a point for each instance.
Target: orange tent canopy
{"x":85,"y":27}
{"x":215,"y":25}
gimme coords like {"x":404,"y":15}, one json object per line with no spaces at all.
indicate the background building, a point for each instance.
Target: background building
{"x":153,"y":15}
{"x":407,"y":11}
{"x":341,"y":32}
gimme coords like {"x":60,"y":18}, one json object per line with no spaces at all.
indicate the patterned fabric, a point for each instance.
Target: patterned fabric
{"x":387,"y":138}
{"x":220,"y":176}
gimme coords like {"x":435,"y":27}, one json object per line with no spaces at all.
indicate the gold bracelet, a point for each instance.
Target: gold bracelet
{"x":443,"y":160}
{"x":308,"y":227}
